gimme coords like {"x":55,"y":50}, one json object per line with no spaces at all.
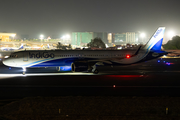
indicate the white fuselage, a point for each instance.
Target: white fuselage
{"x":47,"y":58}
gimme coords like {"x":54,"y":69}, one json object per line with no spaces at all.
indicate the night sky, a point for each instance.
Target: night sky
{"x":58,"y":17}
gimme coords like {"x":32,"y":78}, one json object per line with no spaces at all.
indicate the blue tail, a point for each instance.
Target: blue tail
{"x":21,"y":47}
{"x":155,"y":43}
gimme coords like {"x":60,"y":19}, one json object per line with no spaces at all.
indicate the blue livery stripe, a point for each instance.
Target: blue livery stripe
{"x":157,"y":46}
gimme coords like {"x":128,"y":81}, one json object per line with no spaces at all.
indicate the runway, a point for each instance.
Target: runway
{"x":151,"y":78}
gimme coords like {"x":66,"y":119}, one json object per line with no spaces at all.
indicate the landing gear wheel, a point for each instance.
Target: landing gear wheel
{"x":89,"y":70}
{"x":58,"y":68}
{"x":96,"y":71}
{"x":24,"y":72}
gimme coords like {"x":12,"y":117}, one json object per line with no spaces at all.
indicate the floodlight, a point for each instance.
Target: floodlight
{"x":142,"y":35}
{"x":171,"y":34}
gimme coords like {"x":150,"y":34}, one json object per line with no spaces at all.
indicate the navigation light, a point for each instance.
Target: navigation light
{"x":127,"y":56}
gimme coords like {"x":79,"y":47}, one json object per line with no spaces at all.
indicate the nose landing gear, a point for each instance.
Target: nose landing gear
{"x":24,"y":70}
{"x":95,"y":70}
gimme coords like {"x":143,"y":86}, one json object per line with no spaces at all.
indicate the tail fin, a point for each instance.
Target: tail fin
{"x":21,"y":47}
{"x":156,"y":40}
{"x":42,"y":46}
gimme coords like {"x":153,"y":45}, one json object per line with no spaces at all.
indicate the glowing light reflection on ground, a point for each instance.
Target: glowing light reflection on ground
{"x":127,"y":76}
{"x":41,"y":74}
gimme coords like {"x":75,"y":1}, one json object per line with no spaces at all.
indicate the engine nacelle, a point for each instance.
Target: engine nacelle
{"x":79,"y":66}
{"x":63,"y":68}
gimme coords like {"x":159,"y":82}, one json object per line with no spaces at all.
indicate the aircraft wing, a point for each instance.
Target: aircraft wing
{"x":100,"y":61}
{"x":109,"y":60}
{"x":105,"y":60}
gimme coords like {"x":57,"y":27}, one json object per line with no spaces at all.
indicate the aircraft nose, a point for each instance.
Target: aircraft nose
{"x":6,"y":62}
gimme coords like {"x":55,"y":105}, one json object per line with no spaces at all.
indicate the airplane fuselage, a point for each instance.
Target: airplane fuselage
{"x":53,"y":58}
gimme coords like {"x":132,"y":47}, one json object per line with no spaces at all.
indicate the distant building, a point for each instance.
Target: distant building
{"x":132,"y":38}
{"x":102,"y":35}
{"x":5,"y":37}
{"x":79,"y":38}
{"x":124,"y":38}
{"x":82,"y":38}
{"x":119,"y":38}
{"x":109,"y":37}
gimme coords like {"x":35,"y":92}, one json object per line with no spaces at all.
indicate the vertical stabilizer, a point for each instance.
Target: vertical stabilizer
{"x":156,"y":40}
{"x":21,"y":47}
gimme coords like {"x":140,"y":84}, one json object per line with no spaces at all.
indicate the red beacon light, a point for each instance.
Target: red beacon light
{"x":127,"y":56}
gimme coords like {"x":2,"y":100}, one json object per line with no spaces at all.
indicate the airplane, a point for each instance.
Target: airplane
{"x":41,"y":47}
{"x":11,"y":48}
{"x":87,"y":60}
{"x":37,"y":48}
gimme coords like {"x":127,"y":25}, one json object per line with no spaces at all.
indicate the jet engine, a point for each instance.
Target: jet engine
{"x":79,"y":66}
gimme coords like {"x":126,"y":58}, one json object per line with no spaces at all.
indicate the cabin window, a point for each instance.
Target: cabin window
{"x":14,"y":56}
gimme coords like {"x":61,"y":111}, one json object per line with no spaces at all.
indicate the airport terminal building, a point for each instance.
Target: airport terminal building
{"x":5,"y":37}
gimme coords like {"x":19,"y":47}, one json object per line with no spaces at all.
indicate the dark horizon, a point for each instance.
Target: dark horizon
{"x":58,"y":17}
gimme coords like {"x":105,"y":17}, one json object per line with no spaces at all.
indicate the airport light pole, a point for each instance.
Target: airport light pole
{"x":65,"y":38}
{"x":13,"y":36}
{"x":41,"y":37}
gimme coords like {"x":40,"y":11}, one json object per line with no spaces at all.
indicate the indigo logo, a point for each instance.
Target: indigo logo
{"x":41,"y":55}
{"x":157,"y":33}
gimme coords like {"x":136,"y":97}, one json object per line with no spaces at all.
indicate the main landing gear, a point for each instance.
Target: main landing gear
{"x":24,"y":70}
{"x":58,"y":68}
{"x":94,"y":69}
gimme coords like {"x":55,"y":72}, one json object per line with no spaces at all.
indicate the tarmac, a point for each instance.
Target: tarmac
{"x":158,"y":77}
